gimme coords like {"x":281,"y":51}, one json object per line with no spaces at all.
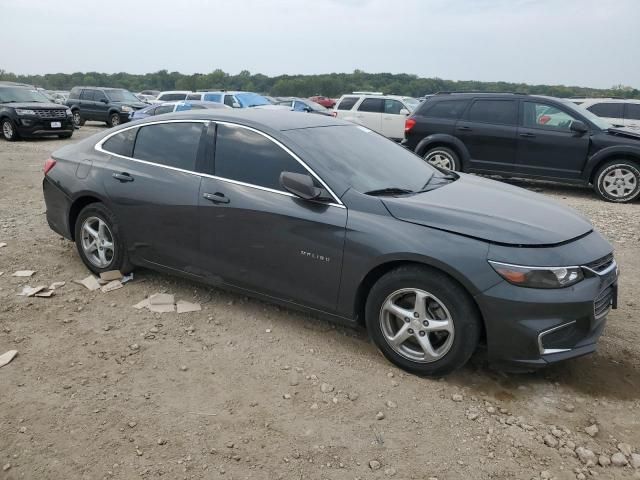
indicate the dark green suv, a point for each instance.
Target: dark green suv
{"x":109,"y":105}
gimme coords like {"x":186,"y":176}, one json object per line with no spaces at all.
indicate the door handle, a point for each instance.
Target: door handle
{"x":527,"y":135}
{"x":123,"y":177}
{"x":216,"y":197}
{"x":465,"y":129}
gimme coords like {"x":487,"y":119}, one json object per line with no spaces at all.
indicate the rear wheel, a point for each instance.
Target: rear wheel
{"x":618,"y":181}
{"x":422,"y":321}
{"x":443,"y":157}
{"x":9,"y":131}
{"x":114,"y":120}
{"x":99,"y":240}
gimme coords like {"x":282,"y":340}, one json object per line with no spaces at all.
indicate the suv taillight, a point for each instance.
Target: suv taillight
{"x":48,"y":165}
{"x":409,"y":123}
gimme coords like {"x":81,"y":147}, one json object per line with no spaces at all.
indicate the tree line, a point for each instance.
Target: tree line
{"x":331,"y":84}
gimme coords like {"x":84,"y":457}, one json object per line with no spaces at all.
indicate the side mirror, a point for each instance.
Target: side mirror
{"x":104,"y":100}
{"x":578,"y":127}
{"x":300,"y":185}
{"x":308,"y":109}
{"x":404,"y":111}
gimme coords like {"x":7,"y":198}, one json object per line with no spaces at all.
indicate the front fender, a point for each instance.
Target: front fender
{"x":608,"y":153}
{"x":444,"y":140}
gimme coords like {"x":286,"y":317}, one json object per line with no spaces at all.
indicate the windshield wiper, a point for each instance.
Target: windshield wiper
{"x":389,"y":191}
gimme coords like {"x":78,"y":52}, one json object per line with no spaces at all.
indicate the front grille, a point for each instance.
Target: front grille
{"x":601,"y":264}
{"x":602,"y":304}
{"x":50,"y":113}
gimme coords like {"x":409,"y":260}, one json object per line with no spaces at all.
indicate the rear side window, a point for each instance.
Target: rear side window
{"x":170,"y":97}
{"x":171,"y":144}
{"x":194,"y":96}
{"x":503,"y":112}
{"x":86,"y":94}
{"x":246,"y":156}
{"x":212,"y":97}
{"x":347,"y":103}
{"x":374,"y":105}
{"x":610,"y":110}
{"x":121,"y":143}
{"x":632,"y":111}
{"x":449,"y":109}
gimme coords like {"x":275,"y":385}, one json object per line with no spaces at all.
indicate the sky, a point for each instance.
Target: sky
{"x":571,"y":42}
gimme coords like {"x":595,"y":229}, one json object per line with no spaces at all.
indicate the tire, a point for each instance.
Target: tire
{"x":115,"y":259}
{"x":78,"y":121}
{"x":618,"y":181}
{"x":114,"y":120}
{"x":452,"y":327}
{"x":443,"y":157}
{"x":9,"y":131}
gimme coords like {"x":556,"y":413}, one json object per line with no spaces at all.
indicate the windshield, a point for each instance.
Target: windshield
{"x":599,"y":122}
{"x":362,"y":158}
{"x":122,"y":96}
{"x":18,"y":94}
{"x":251,"y":99}
{"x":411,"y":102}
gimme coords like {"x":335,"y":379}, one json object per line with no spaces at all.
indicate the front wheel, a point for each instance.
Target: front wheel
{"x":114,"y":120}
{"x":422,"y":321}
{"x":9,"y":131}
{"x":78,"y":121}
{"x":618,"y":181}
{"x":443,"y":157}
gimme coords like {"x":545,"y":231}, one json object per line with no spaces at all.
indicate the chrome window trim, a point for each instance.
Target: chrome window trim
{"x":548,"y":351}
{"x":98,"y":147}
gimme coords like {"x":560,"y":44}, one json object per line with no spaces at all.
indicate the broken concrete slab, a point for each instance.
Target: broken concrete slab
{"x":28,"y":291}
{"x":143,"y":304}
{"x":161,"y":299}
{"x":3,"y":244}
{"x":7,"y":357}
{"x":24,"y":273}
{"x":111,"y":286}
{"x":111,"y":275}
{"x":90,"y":282}
{"x":45,"y":294}
{"x":185,"y":307}
{"x":55,"y":285}
{"x":163,"y":308}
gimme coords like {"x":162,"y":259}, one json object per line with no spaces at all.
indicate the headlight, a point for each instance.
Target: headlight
{"x":68,"y":110}
{"x":21,"y":111}
{"x":538,"y":277}
{"x":126,"y":108}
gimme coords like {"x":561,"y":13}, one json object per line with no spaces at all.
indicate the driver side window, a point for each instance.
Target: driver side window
{"x":540,"y":115}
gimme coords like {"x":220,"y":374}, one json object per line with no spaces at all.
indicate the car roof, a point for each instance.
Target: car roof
{"x":280,"y":120}
{"x":98,"y":88}
{"x":177,"y":91}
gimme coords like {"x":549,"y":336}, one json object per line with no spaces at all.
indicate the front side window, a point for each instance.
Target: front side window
{"x":501,"y":112}
{"x":121,"y":143}
{"x":607,"y":110}
{"x":539,"y":115}
{"x":393,"y":107}
{"x":246,"y":156}
{"x":122,"y":96}
{"x":98,"y":96}
{"x":373,"y":105}
{"x":194,"y":96}
{"x":347,"y":103}
{"x":229,"y":100}
{"x":212,"y":97}
{"x":632,"y":111}
{"x":170,"y":144}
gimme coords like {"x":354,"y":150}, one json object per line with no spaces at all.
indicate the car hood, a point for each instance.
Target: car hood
{"x":32,"y":105}
{"x":624,"y":132}
{"x":491,"y":211}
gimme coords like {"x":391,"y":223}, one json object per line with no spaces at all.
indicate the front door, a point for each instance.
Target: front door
{"x":256,"y":236}
{"x":87,"y":104}
{"x":393,"y":120}
{"x":489,"y":130}
{"x":154,"y":194}
{"x":546,"y":145}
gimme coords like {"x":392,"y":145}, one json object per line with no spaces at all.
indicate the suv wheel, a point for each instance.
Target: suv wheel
{"x":99,"y":241}
{"x":422,"y":321}
{"x":78,"y":121}
{"x":618,"y":181}
{"x":9,"y":131}
{"x":114,"y":120}
{"x":443,"y":157}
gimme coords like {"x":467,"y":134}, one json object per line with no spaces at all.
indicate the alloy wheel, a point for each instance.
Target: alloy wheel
{"x":619,"y":182}
{"x":115,"y":120}
{"x":417,"y":325}
{"x":7,"y":130}
{"x":76,"y":118}
{"x":97,"y":242}
{"x":441,"y":159}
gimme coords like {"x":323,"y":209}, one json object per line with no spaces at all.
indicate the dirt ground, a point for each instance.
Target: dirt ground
{"x":237,"y":391}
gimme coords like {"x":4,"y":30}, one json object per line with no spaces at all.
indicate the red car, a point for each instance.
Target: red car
{"x":324,"y":101}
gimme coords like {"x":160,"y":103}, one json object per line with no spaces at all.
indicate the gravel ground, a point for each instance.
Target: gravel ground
{"x":244,"y":389}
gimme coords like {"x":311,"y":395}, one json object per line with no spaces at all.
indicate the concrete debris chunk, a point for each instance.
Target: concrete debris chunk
{"x":186,"y":307}
{"x":7,"y":357}
{"x":45,"y":294}
{"x":91,"y":283}
{"x":28,"y":291}
{"x":24,"y":273}
{"x":111,"y":275}
{"x":111,"y":286}
{"x":161,"y":299}
{"x":3,"y":244}
{"x":56,"y":285}
{"x":163,"y":308}
{"x":143,"y":304}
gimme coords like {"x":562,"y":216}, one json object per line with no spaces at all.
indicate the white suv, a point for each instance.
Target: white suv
{"x":384,"y":114}
{"x":617,"y":111}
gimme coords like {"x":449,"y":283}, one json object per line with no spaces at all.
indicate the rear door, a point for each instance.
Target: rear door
{"x":489,"y":130}
{"x":546,"y":145}
{"x":392,"y":124}
{"x":632,"y":115}
{"x":369,"y":114}
{"x":257,"y":236}
{"x":153,"y":187}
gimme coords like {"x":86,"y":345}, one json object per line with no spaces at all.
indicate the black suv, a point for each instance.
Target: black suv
{"x":25,"y":112}
{"x":109,"y":105}
{"x":527,"y":136}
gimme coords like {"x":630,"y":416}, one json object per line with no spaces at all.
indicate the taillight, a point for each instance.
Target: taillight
{"x":49,"y":164}
{"x":409,"y":123}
